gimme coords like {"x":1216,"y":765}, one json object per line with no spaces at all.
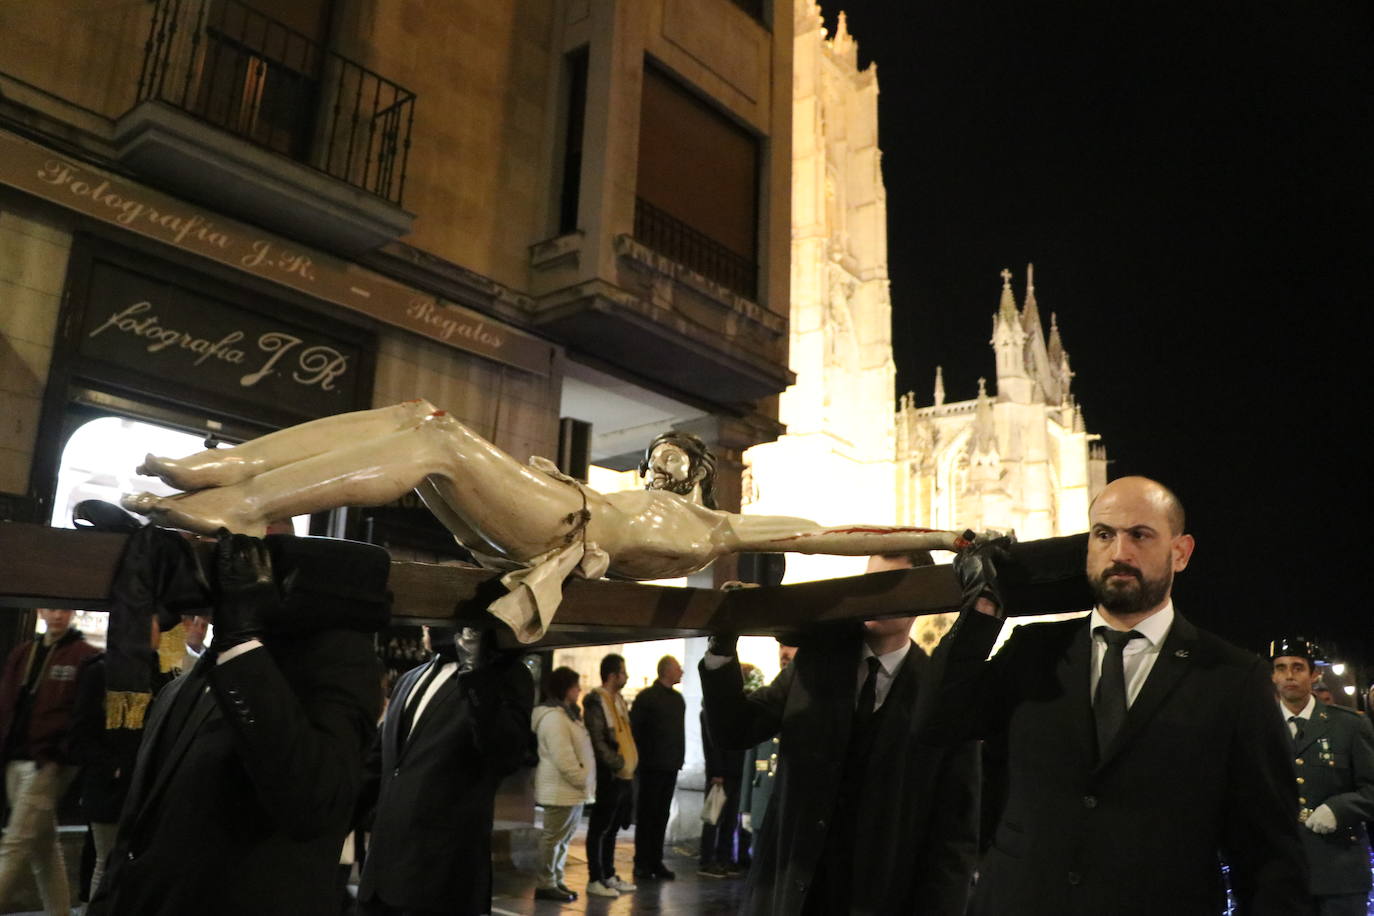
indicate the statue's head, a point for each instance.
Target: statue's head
{"x":677,"y":462}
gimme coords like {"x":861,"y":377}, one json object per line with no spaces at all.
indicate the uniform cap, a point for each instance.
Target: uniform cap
{"x":1295,"y":646}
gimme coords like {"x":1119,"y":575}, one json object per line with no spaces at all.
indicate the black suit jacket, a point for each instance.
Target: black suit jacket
{"x":917,"y":806}
{"x":1199,"y":773}
{"x":430,"y":847}
{"x":244,"y":807}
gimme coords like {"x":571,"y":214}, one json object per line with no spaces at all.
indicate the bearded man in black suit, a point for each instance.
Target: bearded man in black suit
{"x":1143,"y":752}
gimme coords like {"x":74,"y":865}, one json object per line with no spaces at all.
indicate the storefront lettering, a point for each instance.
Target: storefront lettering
{"x":322,"y":365}
{"x":448,"y":327}
{"x":316,"y":366}
{"x":127,"y":211}
{"x":265,"y":254}
{"x":110,"y":199}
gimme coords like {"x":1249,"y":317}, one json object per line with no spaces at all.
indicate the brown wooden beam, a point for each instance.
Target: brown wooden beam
{"x":54,"y":567}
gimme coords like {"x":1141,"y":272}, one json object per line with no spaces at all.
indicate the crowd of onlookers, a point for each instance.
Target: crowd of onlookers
{"x":624,"y":762}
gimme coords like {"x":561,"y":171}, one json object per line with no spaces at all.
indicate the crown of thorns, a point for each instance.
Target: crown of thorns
{"x":696,"y":450}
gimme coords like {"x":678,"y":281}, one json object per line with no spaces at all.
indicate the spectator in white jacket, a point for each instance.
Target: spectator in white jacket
{"x":565,"y":780}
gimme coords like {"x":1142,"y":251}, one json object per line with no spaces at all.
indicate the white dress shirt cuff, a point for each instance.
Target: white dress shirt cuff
{"x":236,"y":651}
{"x":713,"y":661}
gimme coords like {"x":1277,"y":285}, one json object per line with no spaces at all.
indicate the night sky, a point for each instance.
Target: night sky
{"x":1192,"y":184}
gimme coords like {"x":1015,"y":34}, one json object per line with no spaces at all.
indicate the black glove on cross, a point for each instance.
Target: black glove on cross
{"x":245,"y":595}
{"x":976,"y":569}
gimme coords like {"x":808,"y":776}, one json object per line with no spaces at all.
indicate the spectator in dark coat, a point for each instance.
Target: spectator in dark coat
{"x":724,"y":768}
{"x":658,"y":719}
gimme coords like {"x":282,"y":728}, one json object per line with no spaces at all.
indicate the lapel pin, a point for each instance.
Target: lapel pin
{"x":1180,"y":653}
{"x":1322,"y":715}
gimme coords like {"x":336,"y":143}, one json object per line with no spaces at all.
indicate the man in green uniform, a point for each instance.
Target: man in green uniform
{"x":1333,"y":757}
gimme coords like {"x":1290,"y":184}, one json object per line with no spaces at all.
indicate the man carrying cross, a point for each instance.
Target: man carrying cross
{"x":1142,"y":752}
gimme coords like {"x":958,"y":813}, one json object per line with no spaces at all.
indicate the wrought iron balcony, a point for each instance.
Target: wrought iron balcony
{"x":233,"y":67}
{"x":674,"y":239}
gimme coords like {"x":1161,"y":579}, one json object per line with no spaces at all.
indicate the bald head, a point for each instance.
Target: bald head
{"x":1143,"y":489}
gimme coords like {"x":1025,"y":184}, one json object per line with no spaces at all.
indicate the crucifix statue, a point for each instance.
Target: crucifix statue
{"x":530,"y":519}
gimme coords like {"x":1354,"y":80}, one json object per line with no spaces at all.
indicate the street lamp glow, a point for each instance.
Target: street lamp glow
{"x":1338,"y":669}
{"x":1350,"y":690}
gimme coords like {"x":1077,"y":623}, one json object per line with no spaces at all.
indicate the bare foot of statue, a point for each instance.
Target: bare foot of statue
{"x":192,"y":512}
{"x":215,"y":468}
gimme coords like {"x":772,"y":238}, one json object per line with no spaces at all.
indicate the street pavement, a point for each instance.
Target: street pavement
{"x":690,"y":893}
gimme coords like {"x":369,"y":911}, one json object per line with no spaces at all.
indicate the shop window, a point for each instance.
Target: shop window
{"x":98,"y":462}
{"x":99,"y":459}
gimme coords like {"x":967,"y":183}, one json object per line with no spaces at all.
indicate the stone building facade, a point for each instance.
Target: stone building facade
{"x":835,"y":463}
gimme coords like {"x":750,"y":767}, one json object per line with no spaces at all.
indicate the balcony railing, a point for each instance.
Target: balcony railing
{"x":233,"y":67}
{"x":674,"y":239}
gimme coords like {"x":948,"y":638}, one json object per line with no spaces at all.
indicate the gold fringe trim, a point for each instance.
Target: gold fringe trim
{"x":125,"y":708}
{"x":171,"y":649}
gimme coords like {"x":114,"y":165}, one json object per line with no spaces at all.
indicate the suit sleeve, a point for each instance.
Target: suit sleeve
{"x":946,"y":869}
{"x":502,"y":698}
{"x":84,"y":744}
{"x":713,"y":753}
{"x":737,"y":720}
{"x":1357,"y":805}
{"x":302,"y":739}
{"x":967,"y":695}
{"x":746,"y":786}
{"x":365,"y":808}
{"x":1260,"y":841}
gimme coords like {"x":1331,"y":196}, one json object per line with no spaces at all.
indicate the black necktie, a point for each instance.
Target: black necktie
{"x":1109,"y":702}
{"x":1297,"y":727}
{"x":416,"y":696}
{"x":868,"y":694}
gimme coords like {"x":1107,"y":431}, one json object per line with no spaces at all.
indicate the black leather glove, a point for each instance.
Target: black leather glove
{"x":976,"y":568}
{"x":245,"y":595}
{"x":474,"y":648}
{"x":724,"y":644}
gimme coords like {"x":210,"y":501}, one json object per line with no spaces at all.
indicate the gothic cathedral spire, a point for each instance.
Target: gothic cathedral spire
{"x":1008,"y":341}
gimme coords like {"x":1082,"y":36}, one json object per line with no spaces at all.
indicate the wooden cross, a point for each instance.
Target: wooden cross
{"x":57,"y":567}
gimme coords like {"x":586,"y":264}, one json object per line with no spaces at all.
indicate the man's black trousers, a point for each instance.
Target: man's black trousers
{"x":651,"y":819}
{"x":609,"y":813}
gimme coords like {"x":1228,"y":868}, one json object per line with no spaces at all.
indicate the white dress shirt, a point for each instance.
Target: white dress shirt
{"x":1138,"y":656}
{"x":888,"y":666}
{"x":1305,"y":715}
{"x":448,"y":670}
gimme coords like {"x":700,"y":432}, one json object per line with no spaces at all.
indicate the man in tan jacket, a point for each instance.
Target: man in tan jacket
{"x":608,"y":722}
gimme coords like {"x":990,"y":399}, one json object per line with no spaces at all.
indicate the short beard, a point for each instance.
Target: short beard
{"x":680,"y":487}
{"x":1124,"y":601}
